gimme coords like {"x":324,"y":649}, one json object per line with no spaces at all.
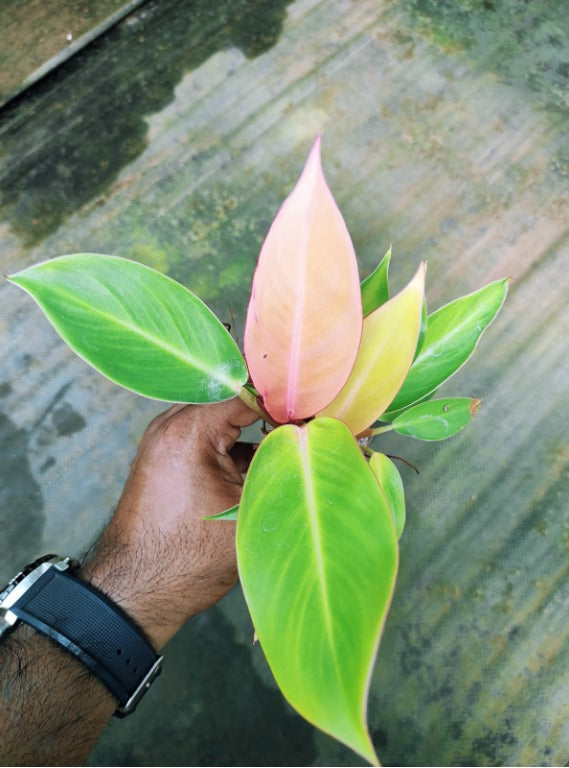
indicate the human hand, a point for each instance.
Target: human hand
{"x":158,"y":558}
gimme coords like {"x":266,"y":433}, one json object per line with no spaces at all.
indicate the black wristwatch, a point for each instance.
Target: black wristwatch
{"x":47,"y":596}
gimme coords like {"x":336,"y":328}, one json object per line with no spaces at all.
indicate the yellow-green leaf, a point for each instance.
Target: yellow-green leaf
{"x":317,"y":555}
{"x":388,"y":344}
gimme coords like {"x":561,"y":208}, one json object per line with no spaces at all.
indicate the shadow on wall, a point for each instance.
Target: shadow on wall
{"x":65,"y":141}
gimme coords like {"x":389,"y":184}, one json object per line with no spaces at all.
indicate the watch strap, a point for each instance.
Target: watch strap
{"x":97,"y":631}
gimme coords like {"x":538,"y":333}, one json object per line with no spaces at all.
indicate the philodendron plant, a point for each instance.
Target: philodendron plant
{"x":328,"y":363}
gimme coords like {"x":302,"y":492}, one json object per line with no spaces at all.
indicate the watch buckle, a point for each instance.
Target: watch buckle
{"x":145,"y":683}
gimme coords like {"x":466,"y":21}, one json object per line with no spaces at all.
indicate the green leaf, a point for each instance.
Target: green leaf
{"x":138,"y":327}
{"x":392,"y":415}
{"x":375,"y":287}
{"x":452,"y":335}
{"x":422,"y":329}
{"x":389,"y":479}
{"x":317,"y":555}
{"x":436,"y":419}
{"x":227,"y":514}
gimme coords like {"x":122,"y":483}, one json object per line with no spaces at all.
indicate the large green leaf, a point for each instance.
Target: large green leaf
{"x":317,"y":554}
{"x":138,"y":327}
{"x":389,"y":479}
{"x":436,"y":419}
{"x":452,"y":335}
{"x":375,"y":287}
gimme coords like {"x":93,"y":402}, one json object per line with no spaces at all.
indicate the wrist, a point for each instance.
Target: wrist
{"x":121,"y":574}
{"x":119,"y":587}
{"x":33,"y":653}
{"x":48,"y":596}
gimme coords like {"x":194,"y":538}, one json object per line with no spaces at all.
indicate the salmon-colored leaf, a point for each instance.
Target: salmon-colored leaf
{"x":386,"y":352}
{"x":304,"y":319}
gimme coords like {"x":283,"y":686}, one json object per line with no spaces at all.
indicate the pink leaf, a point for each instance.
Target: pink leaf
{"x":304,"y":320}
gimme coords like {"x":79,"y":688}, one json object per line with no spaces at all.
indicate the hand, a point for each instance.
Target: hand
{"x":158,"y":558}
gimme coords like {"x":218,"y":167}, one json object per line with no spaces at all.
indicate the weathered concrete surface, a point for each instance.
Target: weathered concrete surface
{"x":431,"y":142}
{"x":37,"y":36}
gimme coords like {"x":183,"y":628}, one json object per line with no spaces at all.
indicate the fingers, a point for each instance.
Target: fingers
{"x":163,"y":417}
{"x":233,"y":412}
{"x":238,"y":414}
{"x":216,"y":424}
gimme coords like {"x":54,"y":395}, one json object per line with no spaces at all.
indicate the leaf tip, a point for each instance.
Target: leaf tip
{"x":474,"y":405}
{"x":313,"y":166}
{"x":418,"y":280}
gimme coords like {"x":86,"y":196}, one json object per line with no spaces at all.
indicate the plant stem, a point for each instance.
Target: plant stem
{"x":381,"y":430}
{"x":251,"y":401}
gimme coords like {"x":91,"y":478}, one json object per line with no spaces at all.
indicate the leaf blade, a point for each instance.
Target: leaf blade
{"x":389,"y":479}
{"x":228,"y":514}
{"x":304,"y":317}
{"x":436,"y":419}
{"x":388,"y":344}
{"x":453,"y":332}
{"x":301,"y":557}
{"x":375,"y":287}
{"x":136,"y":326}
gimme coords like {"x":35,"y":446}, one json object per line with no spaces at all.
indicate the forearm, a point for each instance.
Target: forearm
{"x":158,"y":559}
{"x":52,"y":708}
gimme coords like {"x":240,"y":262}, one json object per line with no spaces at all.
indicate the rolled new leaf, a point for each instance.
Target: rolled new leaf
{"x":436,"y":419}
{"x":317,"y":555}
{"x":452,"y":335}
{"x":138,"y":327}
{"x":304,"y":319}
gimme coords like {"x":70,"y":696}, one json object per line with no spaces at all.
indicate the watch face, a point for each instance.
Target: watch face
{"x":23,"y":573}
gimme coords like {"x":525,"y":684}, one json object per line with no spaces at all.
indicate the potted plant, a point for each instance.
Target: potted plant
{"x":328,"y":364}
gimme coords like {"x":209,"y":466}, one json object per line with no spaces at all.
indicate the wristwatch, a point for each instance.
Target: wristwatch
{"x":49,"y":597}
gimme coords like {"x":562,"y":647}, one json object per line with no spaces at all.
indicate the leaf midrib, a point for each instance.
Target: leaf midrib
{"x":316,"y":540}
